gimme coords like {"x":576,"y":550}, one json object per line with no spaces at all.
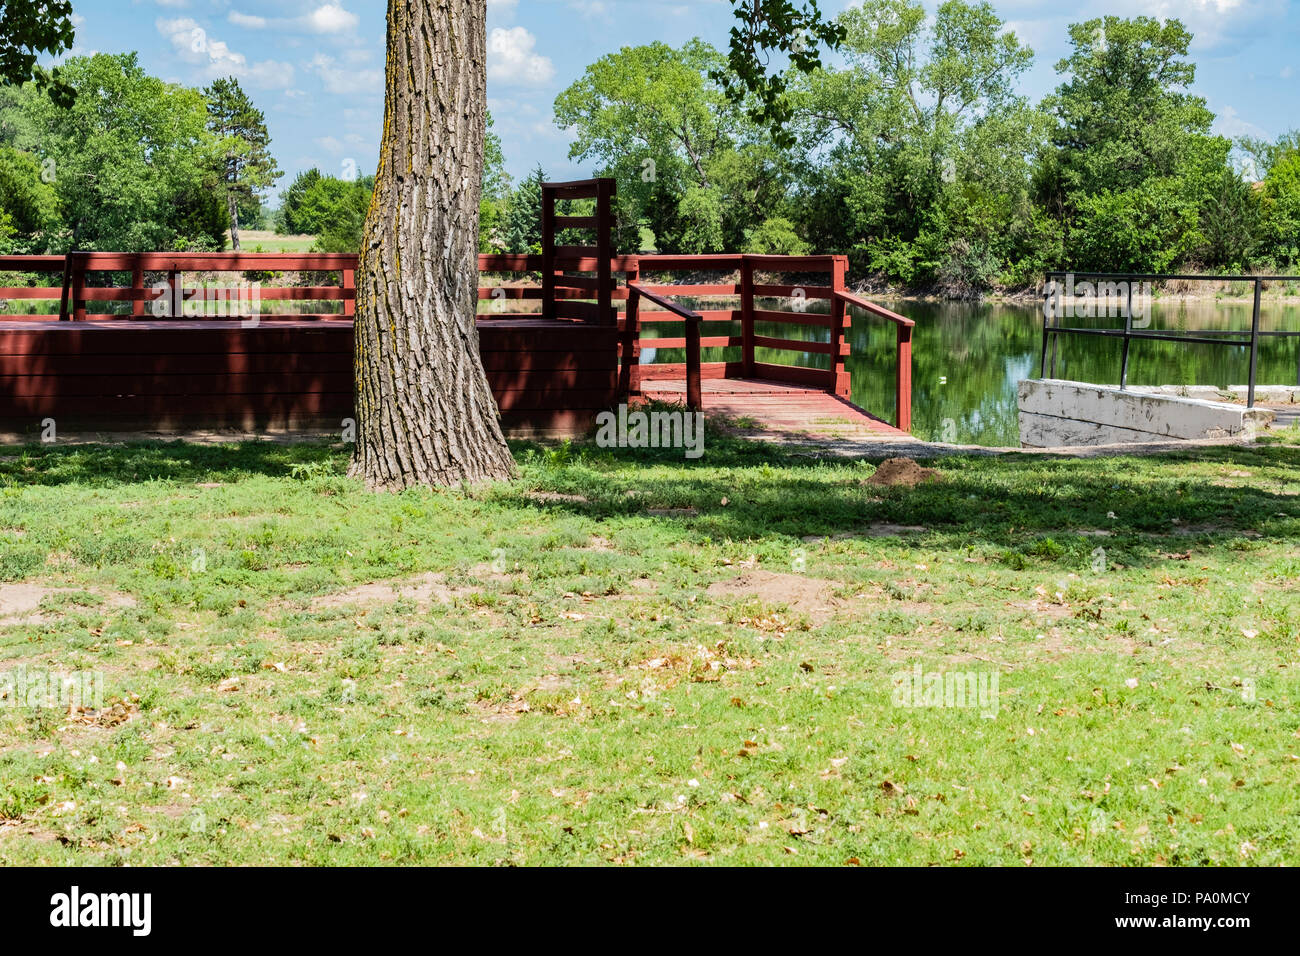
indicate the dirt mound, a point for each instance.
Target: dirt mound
{"x":811,"y":596}
{"x":902,"y":471}
{"x":424,"y":590}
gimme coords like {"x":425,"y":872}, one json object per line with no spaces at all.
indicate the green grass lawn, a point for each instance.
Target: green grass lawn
{"x":270,"y":241}
{"x":637,"y":659}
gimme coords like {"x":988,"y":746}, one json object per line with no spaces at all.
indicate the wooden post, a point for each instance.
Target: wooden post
{"x":746,"y":317}
{"x":79,"y":287}
{"x":694,"y":400}
{"x":350,"y":285}
{"x":839,"y":275}
{"x":903,"y":397}
{"x":629,"y":382}
{"x":548,"y":253}
{"x":137,"y":289}
{"x":605,"y":251}
{"x":67,"y":288}
{"x":175,"y":293}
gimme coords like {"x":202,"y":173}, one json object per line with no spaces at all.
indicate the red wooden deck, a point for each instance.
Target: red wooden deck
{"x":163,"y":365}
{"x":548,"y":377}
{"x":777,"y":408}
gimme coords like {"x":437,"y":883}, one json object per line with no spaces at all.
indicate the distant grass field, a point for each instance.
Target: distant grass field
{"x":632,"y":658}
{"x":250,"y":239}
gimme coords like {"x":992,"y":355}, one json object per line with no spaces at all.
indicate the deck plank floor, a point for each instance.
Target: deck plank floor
{"x":777,"y":408}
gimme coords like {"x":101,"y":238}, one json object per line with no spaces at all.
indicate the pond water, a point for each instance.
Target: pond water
{"x":967,"y":359}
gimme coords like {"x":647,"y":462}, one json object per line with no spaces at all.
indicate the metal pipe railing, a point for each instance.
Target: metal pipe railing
{"x":1246,"y":338}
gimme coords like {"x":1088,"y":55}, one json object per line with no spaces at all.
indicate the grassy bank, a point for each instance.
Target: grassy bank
{"x":266,"y":240}
{"x":639,"y":659}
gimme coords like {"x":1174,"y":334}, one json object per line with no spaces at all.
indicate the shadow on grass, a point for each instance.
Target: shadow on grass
{"x":103,"y":466}
{"x":1030,"y":506}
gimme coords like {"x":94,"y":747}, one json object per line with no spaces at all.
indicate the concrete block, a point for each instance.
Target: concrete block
{"x":1054,"y":412}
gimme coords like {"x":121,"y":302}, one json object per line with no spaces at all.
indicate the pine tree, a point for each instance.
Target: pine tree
{"x":245,"y":165}
{"x":523,"y":225}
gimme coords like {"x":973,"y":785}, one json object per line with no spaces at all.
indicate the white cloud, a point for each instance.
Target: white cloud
{"x":1231,"y":125}
{"x":194,"y":45}
{"x":328,"y":18}
{"x":511,"y":58}
{"x":247,"y":20}
{"x":344,"y":81}
{"x":331,"y":18}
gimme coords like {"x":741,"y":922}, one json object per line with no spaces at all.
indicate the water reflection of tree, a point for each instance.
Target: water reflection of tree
{"x":968,"y":359}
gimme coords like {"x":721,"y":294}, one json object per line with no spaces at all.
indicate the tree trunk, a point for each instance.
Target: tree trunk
{"x":232,"y":203}
{"x":425,"y":413}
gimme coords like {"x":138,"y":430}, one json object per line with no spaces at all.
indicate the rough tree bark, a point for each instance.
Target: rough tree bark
{"x":425,"y":413}
{"x":232,"y":206}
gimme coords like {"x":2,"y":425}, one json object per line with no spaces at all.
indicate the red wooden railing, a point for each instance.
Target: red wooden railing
{"x":694,"y":389}
{"x":78,"y":291}
{"x":903,"y":387}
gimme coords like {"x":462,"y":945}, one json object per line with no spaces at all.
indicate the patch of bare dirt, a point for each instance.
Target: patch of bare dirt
{"x":424,"y":590}
{"x":672,"y":512}
{"x":19,"y":602}
{"x":1051,"y":610}
{"x":902,"y":471}
{"x":16,"y":599}
{"x":552,"y":497}
{"x":879,"y":529}
{"x":1213,"y":528}
{"x":485,"y":572}
{"x":18,"y":828}
{"x":1055,"y":645}
{"x":811,"y":596}
{"x":491,"y":712}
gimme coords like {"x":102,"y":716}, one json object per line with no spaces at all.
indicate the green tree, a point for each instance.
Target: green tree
{"x":245,"y":165}
{"x":496,"y":193}
{"x":328,"y":207}
{"x":690,"y":165}
{"x":346,"y":221}
{"x":1230,"y":223}
{"x":521,"y":231}
{"x":775,"y":237}
{"x":1280,"y":228}
{"x":28,"y":204}
{"x":28,"y":29}
{"x":918,"y":152}
{"x":130,"y":160}
{"x":764,"y":28}
{"x":1133,"y":163}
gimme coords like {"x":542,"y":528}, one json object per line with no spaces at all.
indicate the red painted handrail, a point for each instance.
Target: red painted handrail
{"x":878,"y":310}
{"x":903,"y":381}
{"x":694,"y":387}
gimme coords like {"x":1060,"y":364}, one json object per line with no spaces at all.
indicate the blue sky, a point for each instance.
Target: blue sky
{"x":315,"y":67}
